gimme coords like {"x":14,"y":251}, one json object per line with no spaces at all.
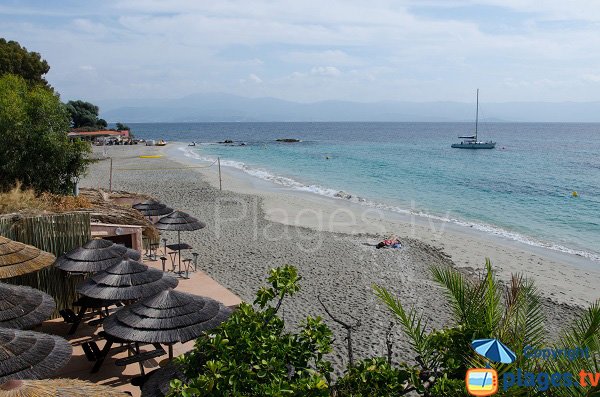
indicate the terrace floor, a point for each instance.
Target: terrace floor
{"x":109,"y":374}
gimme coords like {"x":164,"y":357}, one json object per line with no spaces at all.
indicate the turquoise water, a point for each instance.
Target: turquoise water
{"x":521,"y":190}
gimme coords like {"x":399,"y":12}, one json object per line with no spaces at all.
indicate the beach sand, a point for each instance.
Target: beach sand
{"x":253,"y":226}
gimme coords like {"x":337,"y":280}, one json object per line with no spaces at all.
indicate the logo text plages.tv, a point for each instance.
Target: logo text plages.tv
{"x":485,"y":381}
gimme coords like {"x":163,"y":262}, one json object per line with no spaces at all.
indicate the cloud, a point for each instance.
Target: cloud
{"x":594,"y":78}
{"x":329,"y":57}
{"x":347,"y":49}
{"x":329,"y":71}
{"x":254,"y":78}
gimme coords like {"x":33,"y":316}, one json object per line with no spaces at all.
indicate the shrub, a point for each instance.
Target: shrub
{"x":252,"y":355}
{"x":375,"y":377}
{"x":36,"y":150}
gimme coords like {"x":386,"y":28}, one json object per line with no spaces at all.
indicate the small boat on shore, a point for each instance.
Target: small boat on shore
{"x":161,"y":143}
{"x":470,"y":141}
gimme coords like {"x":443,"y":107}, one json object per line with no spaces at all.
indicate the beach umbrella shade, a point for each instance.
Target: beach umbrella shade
{"x":152,"y":208}
{"x":57,"y":388}
{"x":167,"y":317}
{"x":158,"y":384}
{"x":31,"y":355}
{"x":94,"y":256}
{"x":494,"y":350}
{"x":127,"y":280}
{"x":17,"y":258}
{"x":179,"y":221}
{"x":23,"y":307}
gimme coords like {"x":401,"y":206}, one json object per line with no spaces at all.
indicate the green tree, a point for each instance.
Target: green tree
{"x":15,"y":59}
{"x":85,"y":114}
{"x":36,"y":150}
{"x":122,"y":127}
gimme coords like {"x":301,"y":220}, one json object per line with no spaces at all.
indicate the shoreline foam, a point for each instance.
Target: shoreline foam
{"x":292,"y":184}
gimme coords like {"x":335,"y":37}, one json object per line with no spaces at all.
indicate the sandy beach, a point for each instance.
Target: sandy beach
{"x":253,"y":226}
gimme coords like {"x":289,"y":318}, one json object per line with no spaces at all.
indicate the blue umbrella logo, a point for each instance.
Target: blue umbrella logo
{"x":494,"y":350}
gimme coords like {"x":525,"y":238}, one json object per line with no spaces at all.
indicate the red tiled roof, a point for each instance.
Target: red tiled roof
{"x":123,"y":133}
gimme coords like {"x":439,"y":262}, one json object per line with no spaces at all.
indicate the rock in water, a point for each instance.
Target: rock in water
{"x":343,"y":194}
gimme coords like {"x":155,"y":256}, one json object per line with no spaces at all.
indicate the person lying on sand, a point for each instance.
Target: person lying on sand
{"x":392,"y":242}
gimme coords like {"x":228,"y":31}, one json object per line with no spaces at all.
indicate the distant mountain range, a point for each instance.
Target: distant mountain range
{"x":231,"y":108}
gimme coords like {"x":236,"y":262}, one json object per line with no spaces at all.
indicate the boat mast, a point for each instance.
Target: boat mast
{"x":477,"y":115}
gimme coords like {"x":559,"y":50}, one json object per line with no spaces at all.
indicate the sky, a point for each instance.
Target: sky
{"x":312,"y":50}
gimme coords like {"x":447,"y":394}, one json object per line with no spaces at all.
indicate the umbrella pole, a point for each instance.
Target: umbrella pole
{"x":179,"y":241}
{"x":170,"y":351}
{"x":137,"y":351}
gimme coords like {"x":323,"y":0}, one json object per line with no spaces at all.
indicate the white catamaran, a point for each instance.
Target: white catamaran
{"x":471,"y":142}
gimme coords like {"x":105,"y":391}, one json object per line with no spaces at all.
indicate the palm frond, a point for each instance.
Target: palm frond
{"x":533,"y":330}
{"x":584,"y":333}
{"x":586,"y":329}
{"x":523,"y":320}
{"x":492,"y":299}
{"x":412,"y":323}
{"x":459,"y":291}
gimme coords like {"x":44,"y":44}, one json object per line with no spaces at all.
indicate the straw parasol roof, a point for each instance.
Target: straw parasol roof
{"x":128,"y":252}
{"x":17,"y":258}
{"x":31,"y":355}
{"x":23,"y":307}
{"x":126,"y":280}
{"x":94,"y":256}
{"x":157,"y":385}
{"x":105,"y":209}
{"x":152,"y":208}
{"x":57,"y":388}
{"x":179,"y":221}
{"x":168,"y":317}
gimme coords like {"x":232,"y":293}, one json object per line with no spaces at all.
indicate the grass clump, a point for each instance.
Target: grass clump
{"x":19,"y":199}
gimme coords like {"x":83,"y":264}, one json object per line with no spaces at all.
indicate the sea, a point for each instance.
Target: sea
{"x":522,"y":190}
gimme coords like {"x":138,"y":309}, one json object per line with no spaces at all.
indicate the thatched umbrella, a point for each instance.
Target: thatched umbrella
{"x":31,"y":355}
{"x":17,"y":258}
{"x":167,"y":317}
{"x":152,"y":208}
{"x":180,"y":222}
{"x":105,"y":209}
{"x":23,"y":307}
{"x":57,"y":388}
{"x":94,"y":256}
{"x":157,"y":385}
{"x":127,"y":280}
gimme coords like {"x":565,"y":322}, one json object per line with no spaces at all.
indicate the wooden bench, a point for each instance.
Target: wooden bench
{"x":140,"y":357}
{"x":68,"y":315}
{"x":91,"y":350}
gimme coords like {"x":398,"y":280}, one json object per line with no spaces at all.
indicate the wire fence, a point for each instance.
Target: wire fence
{"x":217,"y":161}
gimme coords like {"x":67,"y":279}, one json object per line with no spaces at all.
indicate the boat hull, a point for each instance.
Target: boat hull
{"x":483,"y":145}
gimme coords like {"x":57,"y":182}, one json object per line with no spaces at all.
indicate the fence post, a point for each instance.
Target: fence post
{"x":110,"y":179}
{"x":220,"y":182}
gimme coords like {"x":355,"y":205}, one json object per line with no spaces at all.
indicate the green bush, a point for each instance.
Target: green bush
{"x":375,"y":377}
{"x":35,"y":148}
{"x":251,"y":354}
